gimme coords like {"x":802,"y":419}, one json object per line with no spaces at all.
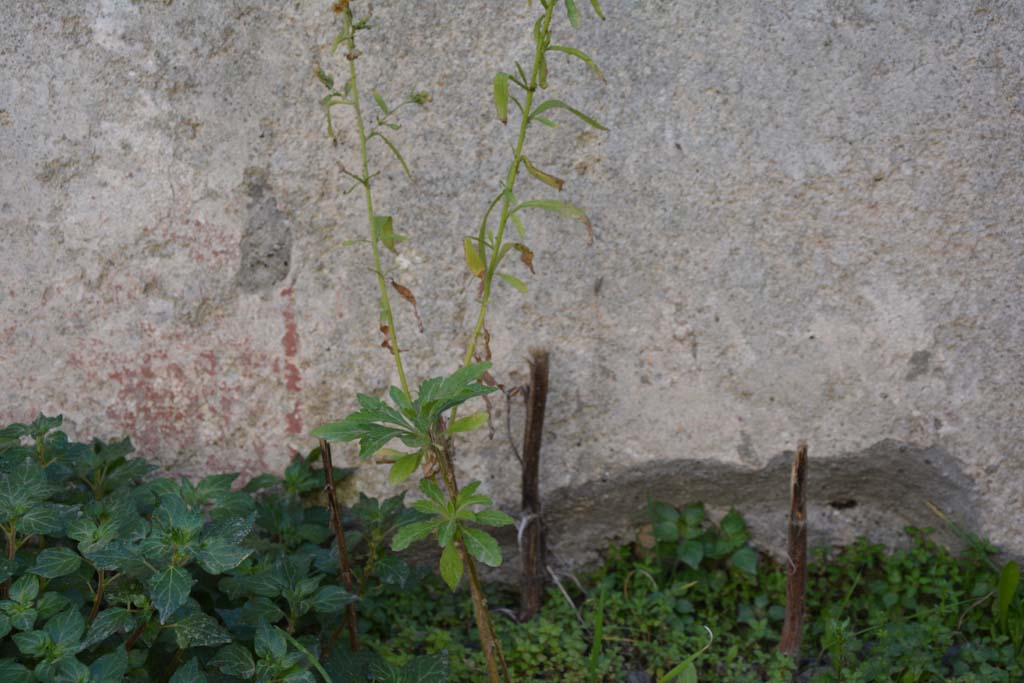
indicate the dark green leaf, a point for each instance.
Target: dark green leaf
{"x":190,"y":673}
{"x":110,"y":668}
{"x":1009,"y":579}
{"x":234,"y":660}
{"x":107,"y":623}
{"x":12,"y":672}
{"x":24,"y":590}
{"x":270,"y":642}
{"x":199,"y":630}
{"x":218,"y":555}
{"x":66,"y":628}
{"x":261,"y":482}
{"x":745,"y":559}
{"x":493,"y":518}
{"x":732,"y":524}
{"x":169,"y":590}
{"x":426,"y":669}
{"x":331,"y":599}
{"x":691,"y":553}
{"x":33,"y":643}
{"x":55,"y":562}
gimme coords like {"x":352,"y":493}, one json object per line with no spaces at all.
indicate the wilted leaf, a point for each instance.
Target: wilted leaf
{"x":525,"y":255}
{"x":407,"y":294}
{"x":473,"y":258}
{"x":542,"y":176}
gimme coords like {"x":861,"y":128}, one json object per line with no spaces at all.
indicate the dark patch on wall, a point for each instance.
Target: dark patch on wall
{"x":919,"y":364}
{"x":266,"y":245}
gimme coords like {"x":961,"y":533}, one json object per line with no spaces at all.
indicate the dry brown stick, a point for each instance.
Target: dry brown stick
{"x":339,"y":535}
{"x":532,"y":544}
{"x":796,"y":570}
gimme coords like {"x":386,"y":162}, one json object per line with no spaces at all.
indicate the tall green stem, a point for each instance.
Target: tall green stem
{"x":510,"y":183}
{"x":385,"y":301}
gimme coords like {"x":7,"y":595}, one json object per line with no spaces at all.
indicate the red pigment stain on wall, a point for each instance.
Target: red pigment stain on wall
{"x":292,"y":376}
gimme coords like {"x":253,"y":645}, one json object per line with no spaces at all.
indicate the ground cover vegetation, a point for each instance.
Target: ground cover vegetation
{"x":114,"y":573}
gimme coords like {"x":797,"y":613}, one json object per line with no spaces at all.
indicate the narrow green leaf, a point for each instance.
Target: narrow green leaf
{"x":574,"y":14}
{"x":513,"y":281}
{"x":1009,"y":578}
{"x":501,"y":95}
{"x":548,"y":105}
{"x":562,"y":209}
{"x":468,"y":423}
{"x":684,"y":672}
{"x":482,"y":546}
{"x":519,"y":226}
{"x":55,"y":562}
{"x":403,"y":467}
{"x":380,"y":101}
{"x":451,"y":566}
{"x":398,"y":155}
{"x":596,"y":4}
{"x":542,"y":176}
{"x":581,"y":55}
{"x":325,"y":79}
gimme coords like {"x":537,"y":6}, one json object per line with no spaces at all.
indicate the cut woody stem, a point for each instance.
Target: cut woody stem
{"x":532,"y":543}
{"x":339,"y":536}
{"x":796,"y":570}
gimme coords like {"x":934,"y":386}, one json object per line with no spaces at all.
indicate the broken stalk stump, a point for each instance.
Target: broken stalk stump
{"x":531,"y":540}
{"x":796,"y":569}
{"x":339,"y":536}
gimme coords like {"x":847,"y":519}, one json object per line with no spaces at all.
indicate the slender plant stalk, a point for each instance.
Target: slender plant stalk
{"x":385,"y":301}
{"x":532,"y":550}
{"x":339,"y":536}
{"x":98,"y":597}
{"x":510,"y":183}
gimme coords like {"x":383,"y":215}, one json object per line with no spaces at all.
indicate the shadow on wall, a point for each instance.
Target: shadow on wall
{"x":875,"y":492}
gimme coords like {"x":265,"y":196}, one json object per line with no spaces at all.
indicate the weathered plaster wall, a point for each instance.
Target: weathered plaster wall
{"x":808,"y":224}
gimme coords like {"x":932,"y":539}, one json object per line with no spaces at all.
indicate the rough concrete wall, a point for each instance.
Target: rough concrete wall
{"x":808,"y":225}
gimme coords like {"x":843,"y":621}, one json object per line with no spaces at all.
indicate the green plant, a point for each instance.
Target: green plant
{"x":113,"y":575}
{"x":419,"y":421}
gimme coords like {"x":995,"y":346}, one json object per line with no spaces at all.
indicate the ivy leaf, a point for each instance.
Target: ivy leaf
{"x":190,"y":673}
{"x":199,"y":630}
{"x":482,"y":546}
{"x":234,"y":660}
{"x":55,"y":562}
{"x":410,"y":533}
{"x":12,"y":672}
{"x":218,"y":555}
{"x":24,"y":590}
{"x":270,"y":642}
{"x":451,"y":566}
{"x":107,"y":623}
{"x":331,"y":599}
{"x":691,"y":553}
{"x":562,"y":209}
{"x":745,"y":559}
{"x":110,"y":668}
{"x":66,"y":628}
{"x":548,"y":105}
{"x":501,"y":95}
{"x":169,"y":590}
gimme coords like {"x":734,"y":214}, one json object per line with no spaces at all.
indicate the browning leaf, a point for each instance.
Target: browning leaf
{"x":525,"y":255}
{"x":407,"y":294}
